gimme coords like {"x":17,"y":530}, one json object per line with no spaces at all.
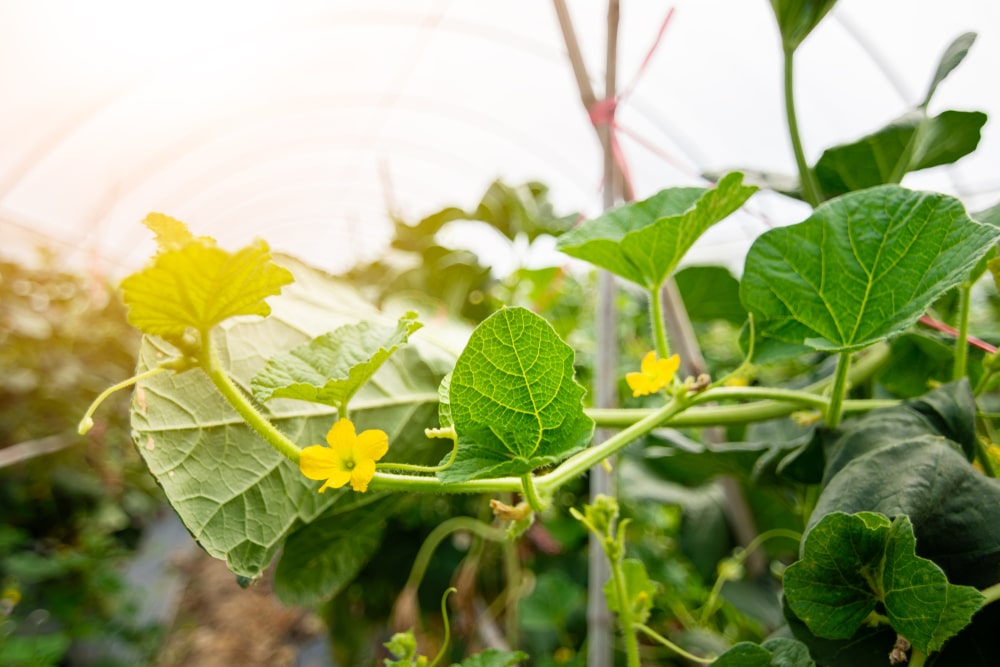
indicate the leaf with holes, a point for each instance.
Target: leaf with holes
{"x":514,"y":401}
{"x":861,"y":268}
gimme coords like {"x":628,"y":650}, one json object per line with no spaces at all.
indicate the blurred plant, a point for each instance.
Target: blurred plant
{"x":72,"y":507}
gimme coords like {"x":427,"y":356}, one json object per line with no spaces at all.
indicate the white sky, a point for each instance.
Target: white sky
{"x":300,"y":122}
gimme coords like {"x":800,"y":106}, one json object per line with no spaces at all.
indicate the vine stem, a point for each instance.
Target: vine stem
{"x":531,"y":493}
{"x":991,"y":594}
{"x":87,"y":422}
{"x":962,"y":339}
{"x":810,"y":187}
{"x":625,"y":613}
{"x":443,"y":530}
{"x":658,"y":323}
{"x":917,"y":658}
{"x":835,"y":409}
{"x":241,"y":403}
{"x":670,"y":645}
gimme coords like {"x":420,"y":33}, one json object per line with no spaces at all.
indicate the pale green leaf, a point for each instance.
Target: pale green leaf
{"x":514,"y":401}
{"x":644,"y":241}
{"x":193,"y":284}
{"x":861,"y":268}
{"x":798,"y":18}
{"x":952,"y":58}
{"x":854,"y":563}
{"x":237,"y":496}
{"x":331,"y":368}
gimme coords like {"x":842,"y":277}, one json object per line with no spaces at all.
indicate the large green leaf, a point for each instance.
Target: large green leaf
{"x":237,"y":496}
{"x":513,"y":398}
{"x":861,"y":268}
{"x":798,"y":18}
{"x":331,"y":368}
{"x":192,"y":283}
{"x":322,"y":557}
{"x":875,"y":159}
{"x":854,"y":563}
{"x":644,"y":241}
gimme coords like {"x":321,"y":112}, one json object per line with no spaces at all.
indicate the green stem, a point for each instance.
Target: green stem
{"x":810,"y":187}
{"x":87,"y":422}
{"x":239,"y":402}
{"x":387,"y":481}
{"x":580,"y":463}
{"x":840,"y":385}
{"x":962,"y":339}
{"x":447,"y":626}
{"x":624,"y":612}
{"x":658,"y":323}
{"x":436,"y":536}
{"x":983,"y":455}
{"x":984,"y":381}
{"x":740,"y":557}
{"x":412,"y":467}
{"x":531,"y":493}
{"x":512,"y":571}
{"x":917,"y":658}
{"x":991,"y":594}
{"x":670,"y":645}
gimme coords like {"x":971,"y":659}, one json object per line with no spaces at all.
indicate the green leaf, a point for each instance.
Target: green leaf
{"x":492,"y":657}
{"x":861,"y":268}
{"x":192,"y":283}
{"x":916,"y":363}
{"x":332,"y":368}
{"x":403,"y":647}
{"x":320,"y":559}
{"x":710,"y":293}
{"x":852,"y":563}
{"x":514,"y":401}
{"x":798,"y":18}
{"x":874,"y":159}
{"x":744,"y":654}
{"x":952,"y":58}
{"x":236,"y":495}
{"x":644,"y":241}
{"x":639,"y":591}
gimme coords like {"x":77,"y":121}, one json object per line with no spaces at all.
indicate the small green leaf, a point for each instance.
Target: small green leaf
{"x":320,"y":559}
{"x":852,"y":563}
{"x":777,"y":652}
{"x":861,"y":268}
{"x":192,"y":283}
{"x":639,"y":591}
{"x":952,"y":58}
{"x":492,"y":657}
{"x":874,"y":159}
{"x":403,"y":647}
{"x":330,"y":369}
{"x":514,"y":401}
{"x":798,"y":18}
{"x":644,"y":241}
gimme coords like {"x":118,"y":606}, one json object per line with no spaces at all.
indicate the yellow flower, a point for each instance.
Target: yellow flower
{"x":349,"y":458}
{"x":655,"y":374}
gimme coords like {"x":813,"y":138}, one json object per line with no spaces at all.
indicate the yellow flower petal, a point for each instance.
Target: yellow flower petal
{"x":371,"y":444}
{"x":638,"y":383}
{"x":648,"y":366}
{"x":341,"y":438}
{"x":318,"y":462}
{"x":362,"y":474}
{"x":337,"y":480}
